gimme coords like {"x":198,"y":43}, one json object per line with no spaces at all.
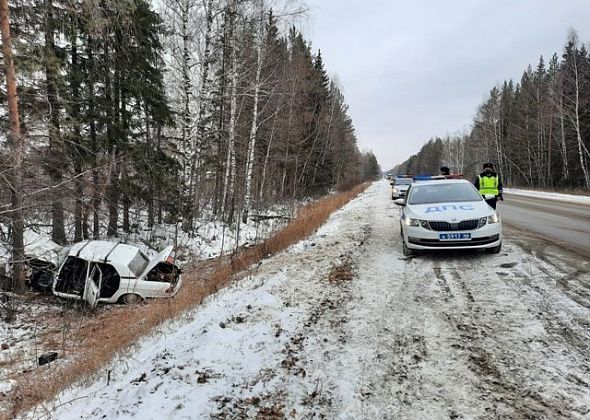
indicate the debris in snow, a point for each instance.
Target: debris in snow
{"x":142,"y":378}
{"x":47,"y":358}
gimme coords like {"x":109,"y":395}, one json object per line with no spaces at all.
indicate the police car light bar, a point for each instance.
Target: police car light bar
{"x":435,"y":177}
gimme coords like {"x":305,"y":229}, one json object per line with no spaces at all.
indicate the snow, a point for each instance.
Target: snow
{"x":210,"y":238}
{"x":583,"y":199}
{"x":41,"y":247}
{"x":446,"y":335}
{"x":25,"y":336}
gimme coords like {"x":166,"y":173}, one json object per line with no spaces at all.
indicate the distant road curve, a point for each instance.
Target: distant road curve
{"x":564,"y":221}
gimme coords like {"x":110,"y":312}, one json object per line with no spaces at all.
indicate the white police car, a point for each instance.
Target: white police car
{"x":448,"y":214}
{"x":400,"y":186}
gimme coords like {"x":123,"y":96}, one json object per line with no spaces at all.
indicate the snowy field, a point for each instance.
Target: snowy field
{"x":341,"y":325}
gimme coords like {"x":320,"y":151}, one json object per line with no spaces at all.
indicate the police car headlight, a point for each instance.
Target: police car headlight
{"x":494,"y":218}
{"x":411,"y":222}
{"x":482,"y":222}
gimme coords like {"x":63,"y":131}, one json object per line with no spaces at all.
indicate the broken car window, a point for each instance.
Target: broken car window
{"x":138,"y":264}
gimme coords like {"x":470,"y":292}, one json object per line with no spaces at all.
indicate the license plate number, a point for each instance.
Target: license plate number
{"x":454,"y":236}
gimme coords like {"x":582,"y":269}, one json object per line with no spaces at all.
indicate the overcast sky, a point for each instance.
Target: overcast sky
{"x":415,"y":69}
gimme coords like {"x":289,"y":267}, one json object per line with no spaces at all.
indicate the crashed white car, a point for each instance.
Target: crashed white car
{"x":448,"y":214}
{"x":103,"y":271}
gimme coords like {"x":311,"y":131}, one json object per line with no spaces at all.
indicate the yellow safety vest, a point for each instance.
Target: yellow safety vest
{"x":488,"y":185}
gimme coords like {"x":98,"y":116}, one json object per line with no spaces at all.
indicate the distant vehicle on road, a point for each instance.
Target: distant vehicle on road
{"x":448,"y":214}
{"x":400,"y":185}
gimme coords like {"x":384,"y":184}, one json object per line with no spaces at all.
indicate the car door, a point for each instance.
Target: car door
{"x":92,"y":286}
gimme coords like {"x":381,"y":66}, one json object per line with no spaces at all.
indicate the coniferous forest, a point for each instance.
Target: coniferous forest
{"x":201,"y":107}
{"x":535,"y":131}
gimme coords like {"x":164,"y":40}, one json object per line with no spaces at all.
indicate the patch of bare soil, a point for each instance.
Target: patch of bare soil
{"x":342,"y":271}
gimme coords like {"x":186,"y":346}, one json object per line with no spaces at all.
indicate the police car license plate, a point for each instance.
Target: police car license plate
{"x":454,"y":236}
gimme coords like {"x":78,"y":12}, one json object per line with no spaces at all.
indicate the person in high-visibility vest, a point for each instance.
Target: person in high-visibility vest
{"x":489,"y":185}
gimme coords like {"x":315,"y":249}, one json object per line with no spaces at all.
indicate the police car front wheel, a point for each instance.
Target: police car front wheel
{"x":495,"y":250}
{"x":407,"y":251}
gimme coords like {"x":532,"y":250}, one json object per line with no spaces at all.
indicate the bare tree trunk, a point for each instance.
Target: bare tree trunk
{"x":230,"y":166}
{"x":112,"y":99}
{"x":188,"y":143}
{"x":94,"y":141}
{"x":113,"y":201}
{"x":266,"y":157}
{"x":54,"y":169}
{"x":76,"y":146}
{"x":563,"y":143}
{"x":125,"y":193}
{"x":549,"y":152}
{"x":328,"y":146}
{"x":254,"y":126}
{"x":201,"y":145}
{"x":576,"y":123}
{"x":17,"y":149}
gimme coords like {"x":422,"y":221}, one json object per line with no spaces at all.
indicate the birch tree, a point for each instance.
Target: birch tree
{"x":575,"y":81}
{"x":254,"y":124}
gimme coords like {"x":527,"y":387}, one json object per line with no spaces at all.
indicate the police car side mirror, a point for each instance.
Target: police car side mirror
{"x":400,"y":202}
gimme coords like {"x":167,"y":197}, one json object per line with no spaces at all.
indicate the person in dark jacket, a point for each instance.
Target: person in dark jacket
{"x":489,"y":185}
{"x":444,"y":170}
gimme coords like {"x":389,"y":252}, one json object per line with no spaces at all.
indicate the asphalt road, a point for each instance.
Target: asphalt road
{"x":566,"y":224}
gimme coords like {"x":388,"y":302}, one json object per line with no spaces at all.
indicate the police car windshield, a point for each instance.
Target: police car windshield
{"x":403,"y":181}
{"x":443,"y":193}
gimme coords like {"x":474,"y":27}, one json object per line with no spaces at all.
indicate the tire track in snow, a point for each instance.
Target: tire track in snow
{"x":503,"y":366}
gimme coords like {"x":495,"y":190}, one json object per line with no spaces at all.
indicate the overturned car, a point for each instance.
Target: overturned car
{"x":103,"y":271}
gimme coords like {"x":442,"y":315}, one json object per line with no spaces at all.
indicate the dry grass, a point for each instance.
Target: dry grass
{"x":100,"y":338}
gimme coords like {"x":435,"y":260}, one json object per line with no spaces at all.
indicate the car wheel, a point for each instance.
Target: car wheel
{"x":407,"y":251}
{"x":495,"y":250}
{"x":130,"y":298}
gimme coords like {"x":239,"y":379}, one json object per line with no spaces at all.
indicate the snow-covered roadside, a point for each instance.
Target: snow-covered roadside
{"x":33,"y":324}
{"x":230,"y":341}
{"x":457,"y":335}
{"x":583,"y":199}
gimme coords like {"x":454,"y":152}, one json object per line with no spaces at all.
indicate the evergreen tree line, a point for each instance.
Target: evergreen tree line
{"x":536,"y":132}
{"x":214,"y":107}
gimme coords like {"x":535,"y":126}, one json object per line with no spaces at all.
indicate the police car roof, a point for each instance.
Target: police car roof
{"x":441,"y":181}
